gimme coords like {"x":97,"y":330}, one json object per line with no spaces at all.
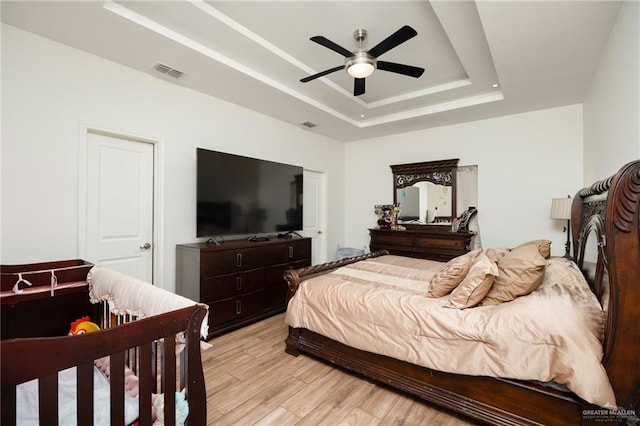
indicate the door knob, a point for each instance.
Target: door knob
{"x":319,"y":232}
{"x":146,"y":246}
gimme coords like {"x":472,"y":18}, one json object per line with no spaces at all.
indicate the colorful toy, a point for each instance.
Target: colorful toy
{"x":83,"y":326}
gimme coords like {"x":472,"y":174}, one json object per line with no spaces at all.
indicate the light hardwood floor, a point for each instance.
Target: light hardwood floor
{"x":252,"y":381}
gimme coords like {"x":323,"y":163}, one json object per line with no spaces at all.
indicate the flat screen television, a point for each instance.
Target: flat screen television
{"x":239,"y":195}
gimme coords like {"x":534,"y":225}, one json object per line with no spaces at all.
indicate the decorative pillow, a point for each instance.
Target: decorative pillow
{"x":476,"y":284}
{"x":520,"y":272}
{"x":498,"y":253}
{"x":544,"y":247}
{"x":451,"y":274}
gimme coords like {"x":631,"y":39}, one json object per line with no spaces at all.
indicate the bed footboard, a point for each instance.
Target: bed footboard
{"x":294,"y":277}
{"x":490,"y":400}
{"x":153,"y":340}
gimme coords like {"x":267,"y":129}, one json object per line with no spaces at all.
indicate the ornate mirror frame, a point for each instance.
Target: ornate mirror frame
{"x":442,"y":172}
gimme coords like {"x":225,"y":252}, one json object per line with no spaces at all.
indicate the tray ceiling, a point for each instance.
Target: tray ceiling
{"x":482,"y":58}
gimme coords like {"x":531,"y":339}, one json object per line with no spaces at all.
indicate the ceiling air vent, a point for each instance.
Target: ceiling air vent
{"x":308,"y":124}
{"x":165,"y":69}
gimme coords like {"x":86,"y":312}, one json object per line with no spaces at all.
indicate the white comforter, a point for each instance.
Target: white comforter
{"x":379,"y":305}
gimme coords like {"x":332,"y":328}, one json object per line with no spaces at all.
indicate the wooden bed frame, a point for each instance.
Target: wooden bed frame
{"x":606,"y":220}
{"x":147,"y":346}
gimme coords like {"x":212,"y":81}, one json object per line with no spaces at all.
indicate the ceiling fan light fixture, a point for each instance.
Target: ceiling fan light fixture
{"x":360,"y":65}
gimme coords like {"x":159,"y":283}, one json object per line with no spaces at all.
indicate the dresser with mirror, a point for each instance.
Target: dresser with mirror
{"x":426,"y":195}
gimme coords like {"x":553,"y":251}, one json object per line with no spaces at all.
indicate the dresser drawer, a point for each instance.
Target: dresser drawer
{"x":299,"y":250}
{"x":292,"y":251}
{"x":276,"y":297}
{"x":225,"y":286}
{"x":223,"y":262}
{"x":423,"y":242}
{"x":440,"y":243}
{"x":398,"y":238}
{"x":275,"y":277}
{"x":240,"y":280}
{"x":235,"y":308}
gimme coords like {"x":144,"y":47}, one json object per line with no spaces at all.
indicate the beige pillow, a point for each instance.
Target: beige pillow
{"x":520,"y":272}
{"x":544,"y":247}
{"x":451,"y":274}
{"x":476,"y":284}
{"x":497,"y":253}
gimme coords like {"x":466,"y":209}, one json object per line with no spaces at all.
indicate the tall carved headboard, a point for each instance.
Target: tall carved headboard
{"x":606,"y":241}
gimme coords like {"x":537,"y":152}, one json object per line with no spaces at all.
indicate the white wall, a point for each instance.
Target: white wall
{"x":523,"y":160}
{"x":50,"y":90}
{"x":612,"y":106}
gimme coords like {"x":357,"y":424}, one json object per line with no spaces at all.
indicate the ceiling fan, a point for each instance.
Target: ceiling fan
{"x":361,"y":64}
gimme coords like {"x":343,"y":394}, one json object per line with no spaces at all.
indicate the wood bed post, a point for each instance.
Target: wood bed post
{"x":621,"y":357}
{"x":292,"y":342}
{"x":611,"y":207}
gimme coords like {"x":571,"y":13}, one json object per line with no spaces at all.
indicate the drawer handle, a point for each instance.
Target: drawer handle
{"x":238,"y":259}
{"x":238,"y":307}
{"x":290,"y":252}
{"x":238,"y":283}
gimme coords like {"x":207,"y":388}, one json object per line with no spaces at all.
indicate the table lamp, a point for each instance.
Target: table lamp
{"x":561,"y":209}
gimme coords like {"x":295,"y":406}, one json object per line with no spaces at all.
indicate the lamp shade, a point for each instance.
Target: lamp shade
{"x":561,"y":208}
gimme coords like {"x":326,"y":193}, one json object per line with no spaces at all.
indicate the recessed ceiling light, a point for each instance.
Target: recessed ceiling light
{"x":494,"y":85}
{"x":361,"y":115}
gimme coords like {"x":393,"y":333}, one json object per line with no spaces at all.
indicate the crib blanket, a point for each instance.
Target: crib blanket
{"x":27,"y":401}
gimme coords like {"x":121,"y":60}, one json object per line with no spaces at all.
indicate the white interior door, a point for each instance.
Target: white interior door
{"x":313,"y":203}
{"x":119,"y":204}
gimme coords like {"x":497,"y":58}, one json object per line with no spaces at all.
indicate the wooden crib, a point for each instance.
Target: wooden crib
{"x":162,"y":350}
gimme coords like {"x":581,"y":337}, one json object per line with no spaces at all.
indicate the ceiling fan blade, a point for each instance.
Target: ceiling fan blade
{"x":323,"y":41}
{"x":409,"y":70}
{"x":399,"y":37}
{"x":358,"y":86}
{"x":321,"y":74}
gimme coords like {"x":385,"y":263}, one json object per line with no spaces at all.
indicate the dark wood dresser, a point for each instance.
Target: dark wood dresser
{"x":424,"y":243}
{"x":241,"y":281}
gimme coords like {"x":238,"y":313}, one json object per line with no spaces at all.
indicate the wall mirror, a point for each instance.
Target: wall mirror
{"x":426,"y":192}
